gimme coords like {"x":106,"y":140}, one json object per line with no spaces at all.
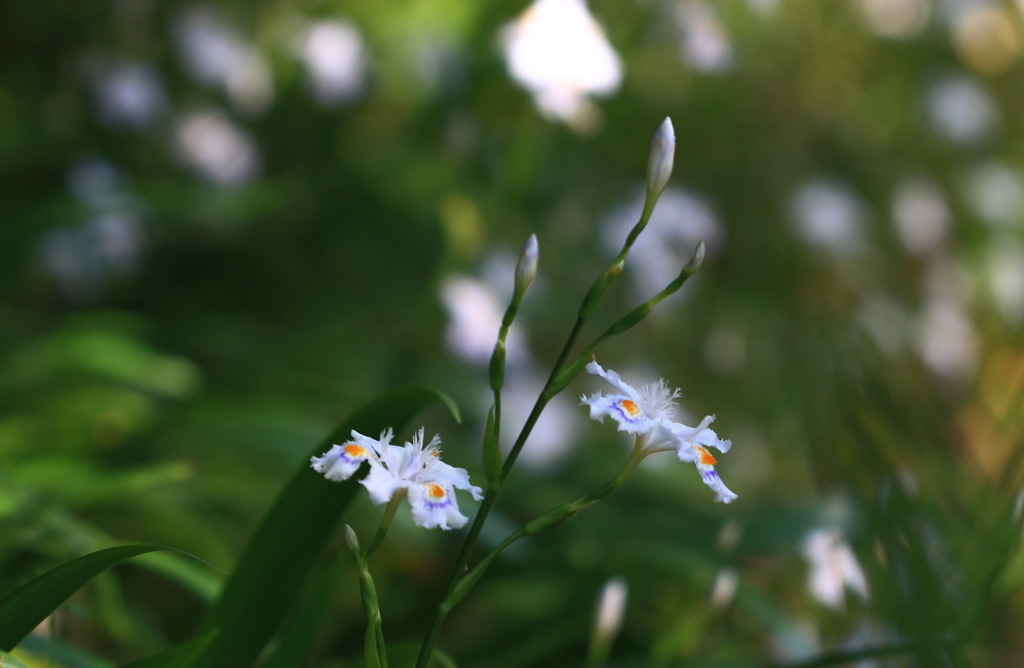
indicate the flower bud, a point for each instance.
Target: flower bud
{"x":696,"y":261}
{"x":350,"y":538}
{"x":659,"y":162}
{"x":526,"y":268}
{"x":611,"y":608}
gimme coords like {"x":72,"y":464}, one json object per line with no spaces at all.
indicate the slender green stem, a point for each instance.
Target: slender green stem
{"x":489,"y":498}
{"x":546,"y":521}
{"x":385,"y":522}
{"x":602,"y":283}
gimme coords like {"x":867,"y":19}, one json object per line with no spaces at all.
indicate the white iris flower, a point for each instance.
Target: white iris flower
{"x":414,"y":467}
{"x":649,"y":414}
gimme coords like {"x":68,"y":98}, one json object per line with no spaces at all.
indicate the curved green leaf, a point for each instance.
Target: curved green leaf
{"x":26,"y":607}
{"x":180,"y":656}
{"x":299,"y":638}
{"x":273,"y":566}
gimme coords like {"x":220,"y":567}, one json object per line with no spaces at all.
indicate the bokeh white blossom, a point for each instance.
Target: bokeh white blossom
{"x":558,"y":51}
{"x":216,"y":54}
{"x":335,"y":59}
{"x":828,"y":215}
{"x":215,"y":148}
{"x":703,"y":40}
{"x":833,"y":568}
{"x":960,"y":110}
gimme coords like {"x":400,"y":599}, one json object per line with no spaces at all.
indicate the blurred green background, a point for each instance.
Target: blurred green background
{"x":226,"y":226}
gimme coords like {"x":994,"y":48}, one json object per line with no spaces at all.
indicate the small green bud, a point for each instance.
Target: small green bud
{"x":660,"y":159}
{"x":526,"y":268}
{"x":694,"y":265}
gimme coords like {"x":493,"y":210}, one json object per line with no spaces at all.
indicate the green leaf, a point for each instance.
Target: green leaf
{"x":177,"y":657}
{"x":273,"y":566}
{"x":298,"y":640}
{"x":26,"y":607}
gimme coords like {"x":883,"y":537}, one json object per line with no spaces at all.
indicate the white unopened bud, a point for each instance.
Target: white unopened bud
{"x":526,"y":268}
{"x":611,"y":609}
{"x":659,"y":162}
{"x":723,"y":591}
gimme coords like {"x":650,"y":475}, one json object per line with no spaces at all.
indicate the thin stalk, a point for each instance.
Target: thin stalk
{"x":385,"y":522}
{"x":546,"y":521}
{"x":489,"y":498}
{"x":589,"y":303}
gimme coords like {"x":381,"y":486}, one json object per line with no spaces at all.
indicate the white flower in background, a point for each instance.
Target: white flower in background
{"x":611,"y":608}
{"x":557,"y":51}
{"x":995,"y":193}
{"x":946,"y":339}
{"x":921,"y":215}
{"x":648,"y":413}
{"x":834,"y":567}
{"x":895,"y":19}
{"x":723,"y":591}
{"x":215,"y":54}
{"x":475,"y":313}
{"x":704,"y":41}
{"x":1006,"y":279}
{"x":335,"y":61}
{"x":219,"y":151}
{"x":128,"y":94}
{"x":828,"y":215}
{"x":960,"y":110}
{"x":763,"y":8}
{"x":414,"y":467}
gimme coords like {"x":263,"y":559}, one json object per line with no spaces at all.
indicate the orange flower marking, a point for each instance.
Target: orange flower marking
{"x":354,"y":450}
{"x":631,"y":408}
{"x":705,"y":457}
{"x":435,"y":491}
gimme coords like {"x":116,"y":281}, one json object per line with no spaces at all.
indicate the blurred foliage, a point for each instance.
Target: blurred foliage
{"x":174,"y":338}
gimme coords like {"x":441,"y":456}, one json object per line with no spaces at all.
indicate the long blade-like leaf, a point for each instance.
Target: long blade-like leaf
{"x":299,"y":638}
{"x":274,"y":564}
{"x":26,"y":607}
{"x":180,"y":656}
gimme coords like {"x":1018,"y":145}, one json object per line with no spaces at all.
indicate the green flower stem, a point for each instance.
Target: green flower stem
{"x":556,"y":382}
{"x":627,"y":321}
{"x":385,"y":522}
{"x":649,"y":203}
{"x":426,"y":650}
{"x":548,"y":520}
{"x":597,"y":653}
{"x":374,"y":648}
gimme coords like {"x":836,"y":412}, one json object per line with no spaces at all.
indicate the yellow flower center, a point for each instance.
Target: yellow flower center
{"x":705,"y":457}
{"x":631,"y":408}
{"x":435,"y":491}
